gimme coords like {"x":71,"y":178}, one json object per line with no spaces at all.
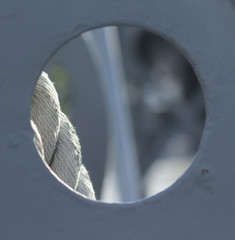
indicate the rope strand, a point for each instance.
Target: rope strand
{"x":56,"y":140}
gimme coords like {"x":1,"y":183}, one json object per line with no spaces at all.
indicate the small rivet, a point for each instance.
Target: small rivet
{"x":204,"y":171}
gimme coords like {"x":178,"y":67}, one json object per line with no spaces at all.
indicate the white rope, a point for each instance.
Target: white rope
{"x":56,"y":139}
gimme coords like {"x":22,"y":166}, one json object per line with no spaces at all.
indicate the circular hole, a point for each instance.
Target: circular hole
{"x":136,"y":105}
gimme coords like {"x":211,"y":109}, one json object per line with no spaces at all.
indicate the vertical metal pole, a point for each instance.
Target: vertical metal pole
{"x":105,"y":49}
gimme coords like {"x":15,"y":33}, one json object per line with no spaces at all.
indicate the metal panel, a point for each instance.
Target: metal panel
{"x":35,"y":205}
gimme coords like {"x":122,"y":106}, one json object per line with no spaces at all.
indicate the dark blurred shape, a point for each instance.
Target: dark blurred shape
{"x":167,"y":101}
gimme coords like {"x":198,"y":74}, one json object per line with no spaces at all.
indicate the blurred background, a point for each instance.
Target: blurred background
{"x":137,"y":107}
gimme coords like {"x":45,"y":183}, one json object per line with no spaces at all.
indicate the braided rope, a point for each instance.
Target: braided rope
{"x":56,"y":140}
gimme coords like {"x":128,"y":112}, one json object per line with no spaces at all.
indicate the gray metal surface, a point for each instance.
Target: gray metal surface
{"x":35,"y":205}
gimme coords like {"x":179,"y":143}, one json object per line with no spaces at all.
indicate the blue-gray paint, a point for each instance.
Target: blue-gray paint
{"x":35,"y":205}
